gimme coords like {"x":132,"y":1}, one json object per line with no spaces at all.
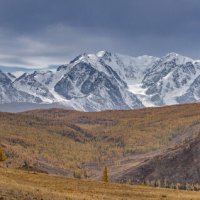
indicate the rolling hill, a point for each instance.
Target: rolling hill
{"x":80,"y":144}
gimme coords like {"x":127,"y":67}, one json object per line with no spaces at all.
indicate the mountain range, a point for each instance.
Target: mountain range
{"x":106,"y":81}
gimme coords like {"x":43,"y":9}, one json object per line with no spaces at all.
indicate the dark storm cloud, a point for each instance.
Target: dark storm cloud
{"x":43,"y":32}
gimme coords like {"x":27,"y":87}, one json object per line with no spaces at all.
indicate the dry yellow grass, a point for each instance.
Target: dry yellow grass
{"x":15,"y":185}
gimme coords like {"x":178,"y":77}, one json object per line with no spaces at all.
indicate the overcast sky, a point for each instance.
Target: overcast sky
{"x":42,"y":33}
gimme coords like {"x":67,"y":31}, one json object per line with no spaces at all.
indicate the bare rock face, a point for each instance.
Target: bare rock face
{"x":9,"y":94}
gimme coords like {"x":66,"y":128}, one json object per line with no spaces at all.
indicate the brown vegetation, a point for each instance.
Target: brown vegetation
{"x":70,"y":142}
{"x":2,"y":155}
{"x":105,"y":175}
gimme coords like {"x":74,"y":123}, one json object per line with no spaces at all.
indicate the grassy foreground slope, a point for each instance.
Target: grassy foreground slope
{"x":56,"y":140}
{"x":15,"y":184}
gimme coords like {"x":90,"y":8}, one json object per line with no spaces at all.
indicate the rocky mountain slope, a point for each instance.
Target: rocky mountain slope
{"x":10,"y":94}
{"x":107,"y":81}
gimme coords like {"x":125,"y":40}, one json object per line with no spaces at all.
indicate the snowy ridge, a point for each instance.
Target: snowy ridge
{"x":106,"y":81}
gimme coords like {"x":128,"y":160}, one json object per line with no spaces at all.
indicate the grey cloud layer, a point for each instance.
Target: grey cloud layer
{"x":43,"y":32}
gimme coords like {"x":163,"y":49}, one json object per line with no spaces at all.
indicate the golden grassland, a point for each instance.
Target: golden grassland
{"x":69,"y":139}
{"x":17,"y":184}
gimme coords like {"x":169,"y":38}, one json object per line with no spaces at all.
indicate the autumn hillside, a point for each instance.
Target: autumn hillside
{"x":79,"y":144}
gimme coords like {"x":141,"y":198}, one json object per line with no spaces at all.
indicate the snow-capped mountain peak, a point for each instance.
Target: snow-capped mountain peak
{"x":179,"y":59}
{"x":105,"y":80}
{"x":11,"y":76}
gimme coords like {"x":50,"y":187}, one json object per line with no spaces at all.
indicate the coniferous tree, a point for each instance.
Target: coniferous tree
{"x":147,"y":183}
{"x":2,"y":155}
{"x":178,"y":185}
{"x":105,"y":175}
{"x":165,"y":183}
{"x":158,"y":183}
{"x":85,"y":174}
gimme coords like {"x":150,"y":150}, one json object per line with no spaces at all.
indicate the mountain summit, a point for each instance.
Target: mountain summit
{"x":107,"y":81}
